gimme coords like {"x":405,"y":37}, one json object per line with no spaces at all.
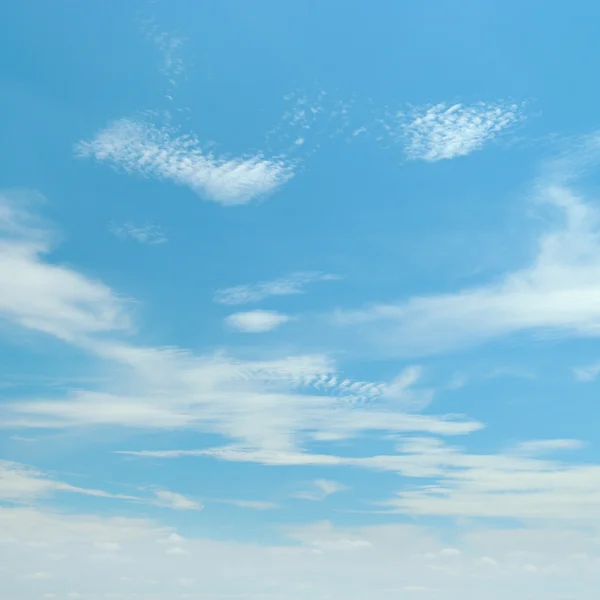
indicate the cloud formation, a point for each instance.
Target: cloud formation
{"x":447,"y":131}
{"x":45,"y":297}
{"x":256,"y":321}
{"x":321,"y":489}
{"x":144,"y":234}
{"x":285,"y":286}
{"x":139,"y":147}
{"x":557,"y":292}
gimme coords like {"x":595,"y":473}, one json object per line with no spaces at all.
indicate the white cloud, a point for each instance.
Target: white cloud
{"x":548,"y":446}
{"x":256,"y":321}
{"x":144,"y":234}
{"x":251,"y":504}
{"x":175,"y":501}
{"x":557,"y":292}
{"x":322,"y":488}
{"x":443,"y":132}
{"x":20,"y":483}
{"x":318,"y":560}
{"x":170,"y":48}
{"x":135,"y":146}
{"x":271,"y":408}
{"x":44,"y":297}
{"x":285,"y":286}
{"x":496,"y":485}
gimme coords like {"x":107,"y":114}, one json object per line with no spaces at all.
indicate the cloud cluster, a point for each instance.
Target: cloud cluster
{"x":139,"y":147}
{"x":443,"y":132}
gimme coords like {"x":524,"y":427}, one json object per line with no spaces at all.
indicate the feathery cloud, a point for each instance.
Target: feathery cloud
{"x":285,"y":286}
{"x":442,"y":132}
{"x":256,"y":321}
{"x":139,"y":147}
{"x":144,"y":234}
{"x":322,"y":488}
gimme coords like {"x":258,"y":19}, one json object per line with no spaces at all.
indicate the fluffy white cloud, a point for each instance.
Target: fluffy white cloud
{"x":256,"y":321}
{"x":135,"y":146}
{"x":285,"y":286}
{"x":441,"y":132}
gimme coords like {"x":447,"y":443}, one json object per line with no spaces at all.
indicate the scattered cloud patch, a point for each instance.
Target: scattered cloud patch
{"x":447,"y":131}
{"x":558,"y":292}
{"x":45,"y":297}
{"x":321,"y":489}
{"x":285,"y":286}
{"x":144,"y":234}
{"x":139,"y":147}
{"x":175,"y":501}
{"x":256,"y":321}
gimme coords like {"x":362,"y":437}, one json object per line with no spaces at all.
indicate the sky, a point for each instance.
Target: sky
{"x":299,"y":301}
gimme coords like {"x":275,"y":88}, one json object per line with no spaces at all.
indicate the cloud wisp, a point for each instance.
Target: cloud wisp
{"x":149,"y":234}
{"x":320,"y":489}
{"x":292,"y":284}
{"x":139,"y":147}
{"x":281,"y":403}
{"x":445,"y":131}
{"x":557,"y":292}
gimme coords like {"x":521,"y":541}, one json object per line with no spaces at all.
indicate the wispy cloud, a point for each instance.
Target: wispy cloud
{"x":175,"y":501}
{"x":541,"y":447}
{"x":256,"y":321}
{"x":284,"y":286}
{"x":447,"y":131}
{"x":22,"y":484}
{"x":557,"y":292}
{"x":144,"y":234}
{"x":321,"y":489}
{"x":139,"y":147}
{"x":45,"y":297}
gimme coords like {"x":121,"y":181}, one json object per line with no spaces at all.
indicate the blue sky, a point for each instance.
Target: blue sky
{"x":299,"y":300}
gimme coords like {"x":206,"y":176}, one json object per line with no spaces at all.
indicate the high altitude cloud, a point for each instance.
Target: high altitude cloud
{"x":447,"y":131}
{"x":256,"y":321}
{"x":139,"y":147}
{"x":285,"y":286}
{"x":144,"y":234}
{"x":89,"y":557}
{"x":23,"y":484}
{"x":321,"y":489}
{"x":559,"y":291}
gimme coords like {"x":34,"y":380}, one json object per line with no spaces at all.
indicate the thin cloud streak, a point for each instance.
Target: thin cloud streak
{"x":285,"y":286}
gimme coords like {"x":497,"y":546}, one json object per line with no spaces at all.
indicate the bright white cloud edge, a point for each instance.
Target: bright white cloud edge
{"x":139,"y":147}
